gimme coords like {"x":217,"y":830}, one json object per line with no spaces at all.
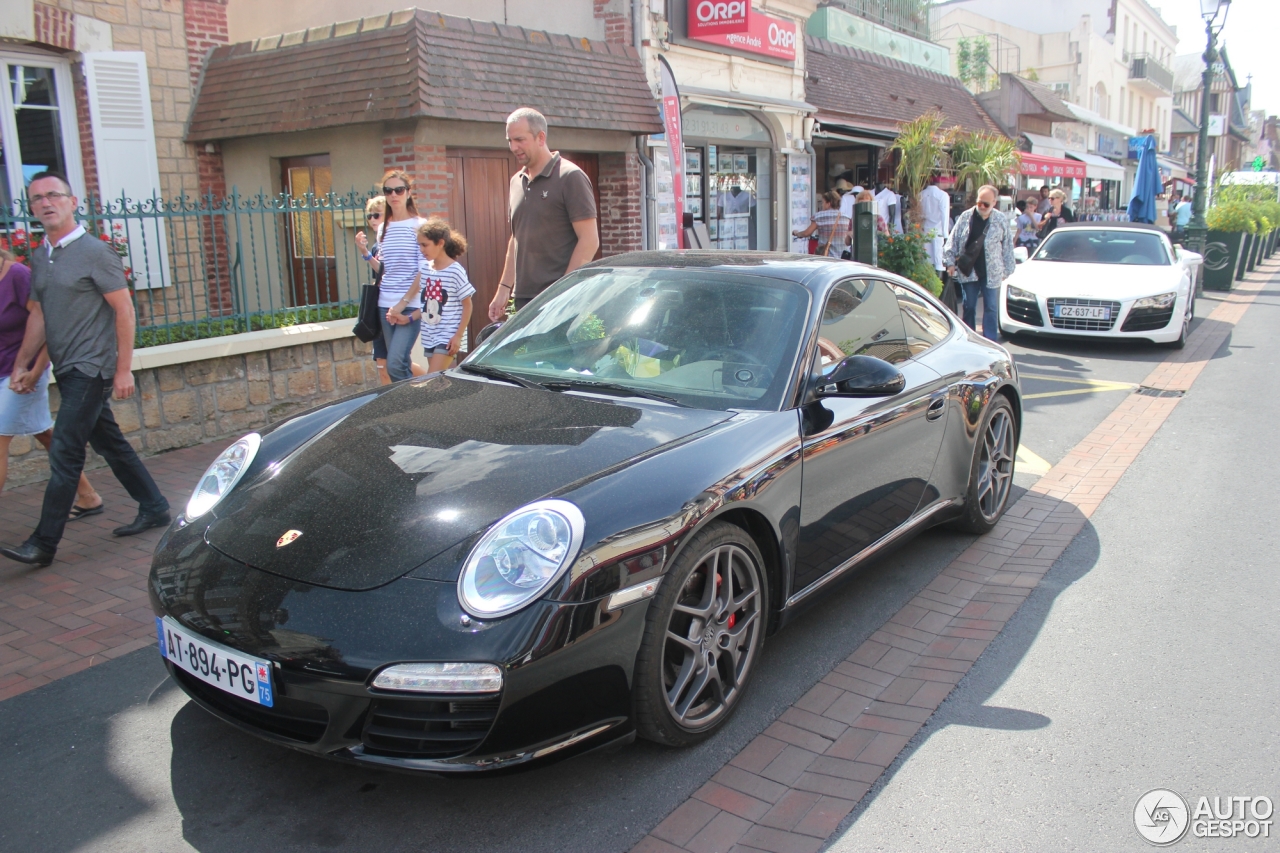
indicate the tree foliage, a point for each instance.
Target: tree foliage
{"x":922,"y":148}
{"x":983,"y":158}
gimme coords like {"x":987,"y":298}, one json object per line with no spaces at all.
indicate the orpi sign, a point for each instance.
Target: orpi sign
{"x":718,"y":17}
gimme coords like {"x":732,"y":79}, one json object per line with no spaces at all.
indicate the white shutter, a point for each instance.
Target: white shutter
{"x":124,"y":146}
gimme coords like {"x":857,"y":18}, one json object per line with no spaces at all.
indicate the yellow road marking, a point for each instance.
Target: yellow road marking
{"x":1090,"y":386}
{"x":1030,"y":463}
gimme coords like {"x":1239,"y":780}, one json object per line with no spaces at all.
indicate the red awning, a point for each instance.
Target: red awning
{"x":1040,"y":166}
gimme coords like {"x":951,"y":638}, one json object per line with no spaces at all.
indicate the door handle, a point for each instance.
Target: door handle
{"x":937,"y":406}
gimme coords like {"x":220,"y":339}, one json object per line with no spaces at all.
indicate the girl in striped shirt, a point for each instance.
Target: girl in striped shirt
{"x":446,"y":292}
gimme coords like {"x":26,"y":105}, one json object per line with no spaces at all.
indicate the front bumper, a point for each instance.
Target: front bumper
{"x":1028,"y":317}
{"x":567,"y":667}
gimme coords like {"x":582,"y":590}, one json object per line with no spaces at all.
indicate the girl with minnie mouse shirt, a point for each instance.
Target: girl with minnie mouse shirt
{"x":446,"y":292}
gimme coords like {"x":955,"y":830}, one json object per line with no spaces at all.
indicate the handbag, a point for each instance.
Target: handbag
{"x":368,"y":325}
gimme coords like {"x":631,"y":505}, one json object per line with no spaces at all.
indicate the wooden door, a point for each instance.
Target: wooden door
{"x":313,"y":263}
{"x":478,"y":184}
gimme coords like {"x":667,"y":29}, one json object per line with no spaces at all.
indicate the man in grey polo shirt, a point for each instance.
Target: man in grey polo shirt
{"x":81,"y":309}
{"x":553,"y":215}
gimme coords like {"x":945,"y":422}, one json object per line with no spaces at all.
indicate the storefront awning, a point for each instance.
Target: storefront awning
{"x":1173,"y":168}
{"x":852,"y":134}
{"x":1098,"y":168}
{"x":1038,"y":166}
{"x":1046,"y":146}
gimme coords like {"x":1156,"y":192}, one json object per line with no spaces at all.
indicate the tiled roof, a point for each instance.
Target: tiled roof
{"x":862,"y":89}
{"x":1182,"y":123}
{"x":419,"y":64}
{"x":1045,"y":97}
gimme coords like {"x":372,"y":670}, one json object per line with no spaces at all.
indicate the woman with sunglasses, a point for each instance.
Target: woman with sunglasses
{"x":398,"y":258}
{"x":979,"y":256}
{"x":1058,"y":213}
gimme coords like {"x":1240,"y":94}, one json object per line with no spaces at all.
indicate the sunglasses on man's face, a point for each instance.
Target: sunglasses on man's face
{"x":394,"y":190}
{"x":984,"y":204}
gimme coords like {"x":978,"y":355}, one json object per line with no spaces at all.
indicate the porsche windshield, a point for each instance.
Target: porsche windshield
{"x":705,"y":338}
{"x":1095,"y":246}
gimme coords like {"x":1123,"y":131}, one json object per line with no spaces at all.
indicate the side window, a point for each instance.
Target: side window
{"x":861,"y":318}
{"x":924,"y":324}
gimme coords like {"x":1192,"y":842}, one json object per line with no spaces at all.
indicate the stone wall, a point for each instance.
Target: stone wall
{"x":186,"y":404}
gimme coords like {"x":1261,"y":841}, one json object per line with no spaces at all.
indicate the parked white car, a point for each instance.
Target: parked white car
{"x":1112,"y":280}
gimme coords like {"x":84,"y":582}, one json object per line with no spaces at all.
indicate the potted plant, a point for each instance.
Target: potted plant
{"x":1229,"y":225}
{"x":904,"y":254}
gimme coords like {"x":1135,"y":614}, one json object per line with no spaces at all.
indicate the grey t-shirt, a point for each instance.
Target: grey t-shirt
{"x":69,"y":281}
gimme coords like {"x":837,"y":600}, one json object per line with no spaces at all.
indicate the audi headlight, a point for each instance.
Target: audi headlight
{"x":519,"y":558}
{"x":1020,"y":294}
{"x":1164,"y":300}
{"x":222,"y":476}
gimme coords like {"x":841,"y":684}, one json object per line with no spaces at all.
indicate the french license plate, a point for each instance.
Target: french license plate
{"x":237,"y":674}
{"x":1083,"y":312}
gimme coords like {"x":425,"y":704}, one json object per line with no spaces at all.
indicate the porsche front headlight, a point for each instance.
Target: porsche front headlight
{"x":222,"y":476}
{"x":1164,"y":300}
{"x":519,"y":558}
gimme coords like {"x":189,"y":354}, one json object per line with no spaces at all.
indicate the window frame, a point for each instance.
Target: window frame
{"x":67,"y":118}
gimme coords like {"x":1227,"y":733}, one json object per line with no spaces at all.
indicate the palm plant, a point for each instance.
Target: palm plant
{"x":984,"y":158}
{"x":922,"y":149}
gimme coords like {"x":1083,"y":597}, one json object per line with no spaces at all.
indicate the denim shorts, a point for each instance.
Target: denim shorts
{"x":379,"y":349}
{"x":438,"y":349}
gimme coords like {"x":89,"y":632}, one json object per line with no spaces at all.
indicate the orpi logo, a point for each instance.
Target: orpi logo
{"x":1161,"y":817}
{"x":709,"y":17}
{"x":780,"y":37}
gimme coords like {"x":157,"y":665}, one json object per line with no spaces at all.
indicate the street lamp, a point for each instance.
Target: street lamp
{"x":1214,"y":13}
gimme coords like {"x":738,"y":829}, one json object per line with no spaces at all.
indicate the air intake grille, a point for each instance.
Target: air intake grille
{"x":428,"y":728}
{"x":289,"y":718}
{"x":1023,"y":311}
{"x":1147,"y":319}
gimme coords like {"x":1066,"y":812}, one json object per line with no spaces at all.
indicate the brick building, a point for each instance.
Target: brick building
{"x":330,"y":107}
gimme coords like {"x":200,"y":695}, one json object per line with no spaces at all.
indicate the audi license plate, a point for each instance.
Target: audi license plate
{"x":237,"y":674}
{"x":1083,"y":312}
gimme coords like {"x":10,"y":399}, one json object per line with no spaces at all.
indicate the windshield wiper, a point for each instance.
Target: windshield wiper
{"x":627,"y":390}
{"x":497,"y":373}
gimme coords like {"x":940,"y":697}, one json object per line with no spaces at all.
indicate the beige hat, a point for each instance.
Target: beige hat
{"x":843,"y":185}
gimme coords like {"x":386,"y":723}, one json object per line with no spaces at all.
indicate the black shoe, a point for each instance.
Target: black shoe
{"x":29,"y":553}
{"x":144,"y":521}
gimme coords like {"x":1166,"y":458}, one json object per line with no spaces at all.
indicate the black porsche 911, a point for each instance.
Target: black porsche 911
{"x":586,"y":531}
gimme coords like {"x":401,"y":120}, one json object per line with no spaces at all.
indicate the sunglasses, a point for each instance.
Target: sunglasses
{"x":984,"y":204}
{"x":373,"y":216}
{"x":394,"y":190}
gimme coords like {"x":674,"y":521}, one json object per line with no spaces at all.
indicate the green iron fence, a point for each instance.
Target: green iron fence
{"x":208,"y":266}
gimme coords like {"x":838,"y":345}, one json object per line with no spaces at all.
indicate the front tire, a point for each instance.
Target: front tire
{"x":703,"y":634}
{"x":991,"y":474}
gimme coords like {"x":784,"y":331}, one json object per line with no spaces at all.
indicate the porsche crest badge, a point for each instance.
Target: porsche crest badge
{"x":288,"y":537}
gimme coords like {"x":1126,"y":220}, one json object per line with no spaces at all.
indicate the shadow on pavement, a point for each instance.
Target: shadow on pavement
{"x":967,"y":704}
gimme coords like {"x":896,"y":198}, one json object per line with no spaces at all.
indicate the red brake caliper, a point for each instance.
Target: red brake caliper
{"x":733,"y":617}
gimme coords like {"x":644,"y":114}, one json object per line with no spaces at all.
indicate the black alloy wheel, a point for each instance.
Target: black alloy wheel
{"x":703,"y":633}
{"x":991,"y":476}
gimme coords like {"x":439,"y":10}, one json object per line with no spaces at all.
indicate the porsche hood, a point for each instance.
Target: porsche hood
{"x":424,"y":467}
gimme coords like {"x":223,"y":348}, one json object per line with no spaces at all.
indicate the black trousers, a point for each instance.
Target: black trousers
{"x":85,"y":417}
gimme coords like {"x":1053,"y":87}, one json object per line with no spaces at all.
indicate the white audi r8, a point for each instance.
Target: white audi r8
{"x":1112,"y":280}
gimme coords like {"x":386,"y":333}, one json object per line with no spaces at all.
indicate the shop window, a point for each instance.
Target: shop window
{"x":37,"y":123}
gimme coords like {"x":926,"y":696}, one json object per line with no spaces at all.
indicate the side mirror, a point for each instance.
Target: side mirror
{"x":1020,"y":254}
{"x":487,"y":332}
{"x":862,"y":376}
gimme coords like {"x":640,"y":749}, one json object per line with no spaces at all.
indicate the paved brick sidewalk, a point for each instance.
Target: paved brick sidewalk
{"x":791,"y":787}
{"x":91,"y":604}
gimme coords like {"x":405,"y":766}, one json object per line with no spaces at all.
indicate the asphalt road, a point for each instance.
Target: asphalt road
{"x":1146,"y":659}
{"x":114,"y":758}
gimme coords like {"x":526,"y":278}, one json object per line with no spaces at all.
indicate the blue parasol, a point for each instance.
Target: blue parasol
{"x":1142,"y":204}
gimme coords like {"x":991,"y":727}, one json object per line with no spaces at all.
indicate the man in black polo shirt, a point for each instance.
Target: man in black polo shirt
{"x":81,"y":309}
{"x":553,"y":215}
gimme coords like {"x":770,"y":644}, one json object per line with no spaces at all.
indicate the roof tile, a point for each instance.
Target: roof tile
{"x":424,"y":67}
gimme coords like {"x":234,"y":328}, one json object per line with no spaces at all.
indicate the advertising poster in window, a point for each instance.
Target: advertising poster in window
{"x":801,"y":194}
{"x":664,"y":193}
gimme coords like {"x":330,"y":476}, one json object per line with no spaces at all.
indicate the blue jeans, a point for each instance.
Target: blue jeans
{"x":85,"y":416}
{"x":990,"y":314}
{"x":400,"y":341}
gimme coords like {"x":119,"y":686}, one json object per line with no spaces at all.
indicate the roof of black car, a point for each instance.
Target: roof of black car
{"x":795,"y":267}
